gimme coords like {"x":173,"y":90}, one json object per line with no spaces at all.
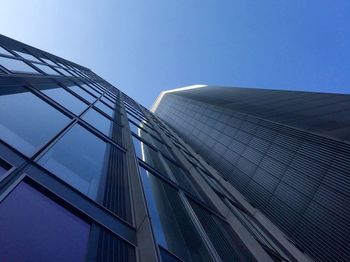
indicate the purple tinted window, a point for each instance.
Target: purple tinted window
{"x":35,"y":228}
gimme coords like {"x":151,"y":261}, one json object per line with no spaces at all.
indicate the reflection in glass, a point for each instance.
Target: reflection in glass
{"x":98,"y":121}
{"x":108,"y":102}
{"x":18,"y":66}
{"x":28,"y":56}
{"x":66,"y":99}
{"x":91,"y":90}
{"x":149,"y":155}
{"x":64,"y":72}
{"x":26,"y":121}
{"x":172,"y":225}
{"x":105,"y":108}
{"x":48,"y":70}
{"x":35,"y":228}
{"x":78,"y":158}
{"x":4,"y":51}
{"x":82,"y":93}
{"x":48,"y":61}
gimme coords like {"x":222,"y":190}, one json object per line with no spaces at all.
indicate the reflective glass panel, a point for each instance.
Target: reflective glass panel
{"x":65,"y":98}
{"x":149,"y":155}
{"x":26,"y":121}
{"x":35,"y":228}
{"x":4,"y":51}
{"x":91,"y":90}
{"x":98,"y":121}
{"x":78,"y":158}
{"x":105,"y":108}
{"x":64,"y":72}
{"x":78,"y":90}
{"x":172,"y":225}
{"x":108,"y":102}
{"x":28,"y":56}
{"x":48,"y":70}
{"x":17,"y":66}
{"x":48,"y":61}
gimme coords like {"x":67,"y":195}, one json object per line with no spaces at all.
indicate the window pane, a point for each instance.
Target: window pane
{"x":98,"y":121}
{"x":64,"y":72}
{"x":82,"y":93}
{"x":35,"y":228}
{"x":66,"y":99}
{"x":48,"y":61}
{"x":77,"y":158}
{"x":16,"y":66}
{"x":48,"y":70}
{"x":91,"y":90}
{"x":4,"y":51}
{"x":108,"y":102}
{"x":149,"y":155}
{"x":26,"y":121}
{"x":172,"y":225}
{"x":28,"y":56}
{"x":104,"y":108}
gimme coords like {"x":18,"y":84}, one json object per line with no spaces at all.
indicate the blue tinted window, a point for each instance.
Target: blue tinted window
{"x":28,"y":56}
{"x":78,"y":90}
{"x":66,"y":99}
{"x":48,"y":70}
{"x":91,"y":90}
{"x":35,"y":228}
{"x":77,"y":158}
{"x":99,"y":121}
{"x":26,"y":121}
{"x":4,"y":51}
{"x":48,"y":61}
{"x":17,"y":66}
{"x":105,"y":108}
{"x":64,"y":72}
{"x":108,"y":102}
{"x":172,"y":225}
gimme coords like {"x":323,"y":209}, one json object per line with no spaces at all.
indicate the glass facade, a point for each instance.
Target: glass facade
{"x":293,"y":173}
{"x":89,"y":174}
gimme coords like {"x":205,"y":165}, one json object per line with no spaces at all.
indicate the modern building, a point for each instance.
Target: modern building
{"x":88,"y":174}
{"x":286,"y":152}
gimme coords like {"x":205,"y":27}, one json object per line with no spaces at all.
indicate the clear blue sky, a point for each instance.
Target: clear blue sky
{"x":144,"y":47}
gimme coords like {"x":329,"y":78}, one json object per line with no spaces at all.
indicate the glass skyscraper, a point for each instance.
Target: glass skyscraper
{"x":286,"y":152}
{"x":89,"y":174}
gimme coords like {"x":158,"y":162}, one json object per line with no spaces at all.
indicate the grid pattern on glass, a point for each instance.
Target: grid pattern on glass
{"x":17,"y":66}
{"x":48,"y":61}
{"x":28,"y":56}
{"x":66,"y":99}
{"x":99,"y":121}
{"x":79,"y":91}
{"x":46,"y":69}
{"x":108,"y":102}
{"x":26,"y":121}
{"x":91,"y":90}
{"x":63,"y":71}
{"x":78,"y":159}
{"x":34,"y":227}
{"x":100,"y":105}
